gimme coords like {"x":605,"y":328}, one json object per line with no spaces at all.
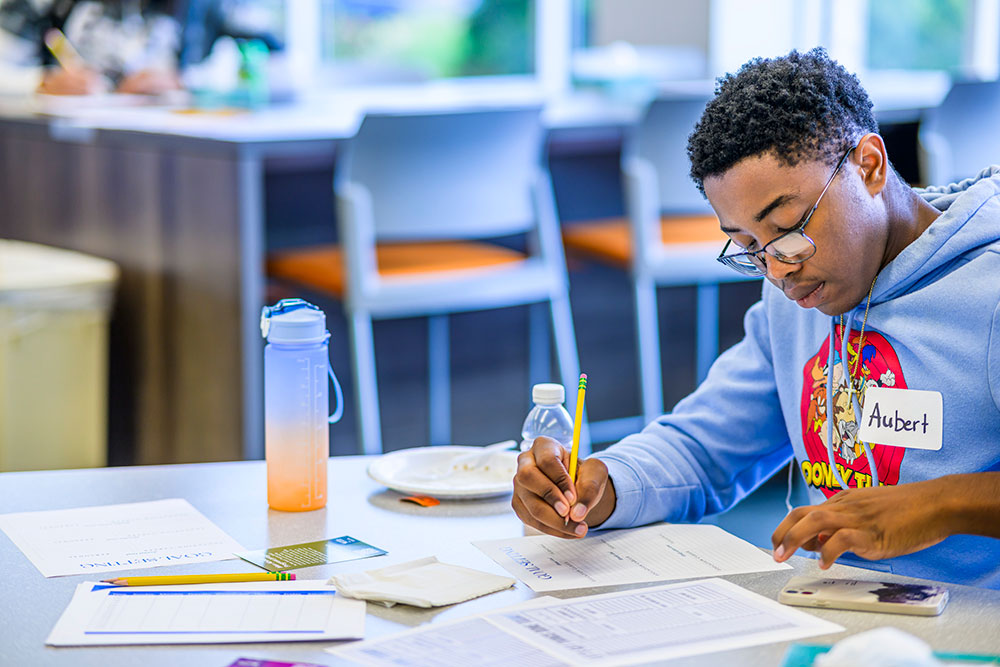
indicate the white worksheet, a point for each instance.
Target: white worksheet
{"x":458,"y":643}
{"x":284,"y":611}
{"x":470,"y":641}
{"x":661,"y":552}
{"x":623,"y":628}
{"x":107,"y":538}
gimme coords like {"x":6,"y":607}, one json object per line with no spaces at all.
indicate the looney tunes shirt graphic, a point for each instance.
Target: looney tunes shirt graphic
{"x":878,"y":367}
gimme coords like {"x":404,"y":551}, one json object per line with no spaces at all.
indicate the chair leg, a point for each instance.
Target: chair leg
{"x":647,"y":331}
{"x":439,"y":379}
{"x":569,"y":361}
{"x":365,"y":383}
{"x":708,"y":329}
{"x":539,"y":345}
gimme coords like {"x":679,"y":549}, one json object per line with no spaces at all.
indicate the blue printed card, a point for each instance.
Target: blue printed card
{"x":311,"y":554}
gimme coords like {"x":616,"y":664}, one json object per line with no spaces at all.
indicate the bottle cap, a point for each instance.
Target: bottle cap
{"x":293,"y":321}
{"x":548,"y":393}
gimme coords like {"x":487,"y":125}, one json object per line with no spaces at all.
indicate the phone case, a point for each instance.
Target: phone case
{"x":882,"y":596}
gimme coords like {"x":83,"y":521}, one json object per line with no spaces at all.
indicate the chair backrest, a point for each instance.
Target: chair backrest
{"x":661,"y":139}
{"x":456,"y":174}
{"x":961,"y":136}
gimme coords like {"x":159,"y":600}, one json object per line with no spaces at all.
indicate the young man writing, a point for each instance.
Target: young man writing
{"x":870,"y":285}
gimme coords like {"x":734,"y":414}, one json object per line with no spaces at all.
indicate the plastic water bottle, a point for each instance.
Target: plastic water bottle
{"x":548,"y":417}
{"x":296,"y":401}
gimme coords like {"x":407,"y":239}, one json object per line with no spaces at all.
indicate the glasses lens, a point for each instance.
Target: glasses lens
{"x":743,"y":264}
{"x":793,"y":247}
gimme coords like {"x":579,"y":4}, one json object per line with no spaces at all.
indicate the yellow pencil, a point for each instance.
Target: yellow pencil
{"x":164,"y":580}
{"x":574,"y":453}
{"x":60,"y":47}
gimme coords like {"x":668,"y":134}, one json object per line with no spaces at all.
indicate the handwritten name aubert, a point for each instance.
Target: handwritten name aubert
{"x":896,"y":423}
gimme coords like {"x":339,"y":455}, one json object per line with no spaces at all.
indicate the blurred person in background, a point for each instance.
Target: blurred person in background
{"x":126,"y":46}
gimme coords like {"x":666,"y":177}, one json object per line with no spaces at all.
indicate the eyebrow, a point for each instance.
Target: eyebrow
{"x":780,"y":200}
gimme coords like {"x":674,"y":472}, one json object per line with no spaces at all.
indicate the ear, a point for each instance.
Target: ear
{"x":873,"y":162}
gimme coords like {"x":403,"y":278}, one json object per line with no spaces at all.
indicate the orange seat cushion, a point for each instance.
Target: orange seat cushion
{"x":322,"y":267}
{"x":611,"y":240}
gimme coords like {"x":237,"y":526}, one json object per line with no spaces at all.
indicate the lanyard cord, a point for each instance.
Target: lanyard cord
{"x":845,"y":335}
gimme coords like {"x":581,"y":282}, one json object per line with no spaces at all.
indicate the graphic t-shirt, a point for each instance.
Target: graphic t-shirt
{"x":878,"y":367}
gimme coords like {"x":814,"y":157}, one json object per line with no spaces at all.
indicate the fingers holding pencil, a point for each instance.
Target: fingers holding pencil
{"x":544,"y":496}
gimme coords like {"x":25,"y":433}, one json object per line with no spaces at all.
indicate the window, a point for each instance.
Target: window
{"x":917,"y":34}
{"x":640,"y":40}
{"x":959,"y":37}
{"x":428,"y":39}
{"x":383,"y":41}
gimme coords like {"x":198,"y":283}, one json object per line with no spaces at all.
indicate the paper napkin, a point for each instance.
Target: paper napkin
{"x":426,"y":582}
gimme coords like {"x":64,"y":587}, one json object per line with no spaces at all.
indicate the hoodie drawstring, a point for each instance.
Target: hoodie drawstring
{"x":845,"y":336}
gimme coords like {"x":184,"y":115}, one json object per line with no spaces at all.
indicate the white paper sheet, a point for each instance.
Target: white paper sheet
{"x":283,"y":611}
{"x":111,"y":538}
{"x":622,"y":628}
{"x":661,"y":552}
{"x":458,"y":643}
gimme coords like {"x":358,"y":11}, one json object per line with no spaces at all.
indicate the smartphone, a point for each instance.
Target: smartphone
{"x":884,"y":596}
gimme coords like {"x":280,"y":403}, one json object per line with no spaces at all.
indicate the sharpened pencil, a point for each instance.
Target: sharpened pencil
{"x":166,"y":580}
{"x":62,"y":49}
{"x":574,"y":453}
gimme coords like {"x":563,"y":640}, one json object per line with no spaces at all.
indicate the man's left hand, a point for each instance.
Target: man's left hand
{"x":874,"y":523}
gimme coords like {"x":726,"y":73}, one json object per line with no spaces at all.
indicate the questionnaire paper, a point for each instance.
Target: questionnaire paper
{"x":283,"y":611}
{"x":621,"y":628}
{"x":660,"y":552}
{"x":108,"y":538}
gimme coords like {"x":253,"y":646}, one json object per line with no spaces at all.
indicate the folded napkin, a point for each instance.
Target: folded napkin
{"x":426,"y":582}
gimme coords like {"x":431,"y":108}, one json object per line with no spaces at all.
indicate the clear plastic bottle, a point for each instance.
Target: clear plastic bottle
{"x":296,"y":426}
{"x":548,"y":417}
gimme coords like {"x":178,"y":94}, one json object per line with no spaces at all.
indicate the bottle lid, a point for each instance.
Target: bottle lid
{"x":293,"y":321}
{"x":548,"y":393}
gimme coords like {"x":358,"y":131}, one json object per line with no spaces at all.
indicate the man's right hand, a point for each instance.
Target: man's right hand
{"x":544,"y":493}
{"x":75,"y":81}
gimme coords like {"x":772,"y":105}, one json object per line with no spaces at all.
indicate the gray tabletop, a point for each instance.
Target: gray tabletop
{"x":233,"y":495}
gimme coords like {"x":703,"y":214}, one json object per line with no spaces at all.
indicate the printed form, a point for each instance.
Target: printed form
{"x":100,"y":614}
{"x":622,"y":628}
{"x":131,"y":536}
{"x":637,"y":555}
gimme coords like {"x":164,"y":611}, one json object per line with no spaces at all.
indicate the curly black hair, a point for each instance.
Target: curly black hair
{"x":799,"y":106}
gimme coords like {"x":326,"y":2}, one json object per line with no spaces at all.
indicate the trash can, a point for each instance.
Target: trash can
{"x":54,"y":311}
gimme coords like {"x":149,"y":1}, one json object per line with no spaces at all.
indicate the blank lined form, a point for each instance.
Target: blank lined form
{"x":641,"y":622}
{"x":621,"y":628}
{"x":654,"y":553}
{"x":100,"y":614}
{"x":163,"y":612}
{"x":660,"y":623}
{"x":473,"y":641}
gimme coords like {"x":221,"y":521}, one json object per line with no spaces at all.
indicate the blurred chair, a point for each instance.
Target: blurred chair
{"x":670,"y":236}
{"x":418,"y":197}
{"x":962,"y":136}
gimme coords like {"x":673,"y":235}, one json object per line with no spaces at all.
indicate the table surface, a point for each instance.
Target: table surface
{"x":233,"y":496}
{"x":326,"y":115}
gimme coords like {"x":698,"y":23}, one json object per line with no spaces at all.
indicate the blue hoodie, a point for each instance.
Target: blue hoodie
{"x":934,"y":324}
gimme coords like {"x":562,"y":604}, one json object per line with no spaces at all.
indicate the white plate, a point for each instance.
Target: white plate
{"x":408,"y":470}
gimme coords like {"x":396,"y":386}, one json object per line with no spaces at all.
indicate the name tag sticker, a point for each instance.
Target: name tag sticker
{"x":902,"y":418}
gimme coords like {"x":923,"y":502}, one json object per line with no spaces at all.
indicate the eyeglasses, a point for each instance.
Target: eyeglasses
{"x":792,"y":247}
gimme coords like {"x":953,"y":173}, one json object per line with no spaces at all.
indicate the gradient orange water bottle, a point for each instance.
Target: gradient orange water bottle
{"x":296,"y":401}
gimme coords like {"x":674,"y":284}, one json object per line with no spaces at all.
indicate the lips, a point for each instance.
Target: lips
{"x":807,"y":297}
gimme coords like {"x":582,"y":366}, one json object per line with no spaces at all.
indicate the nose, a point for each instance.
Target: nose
{"x":778,"y":270}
